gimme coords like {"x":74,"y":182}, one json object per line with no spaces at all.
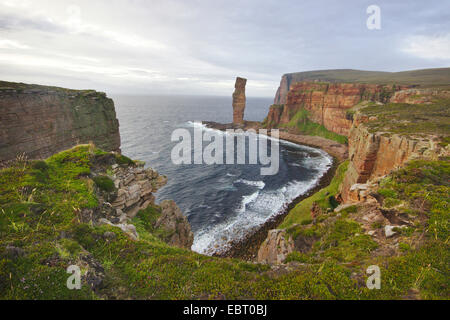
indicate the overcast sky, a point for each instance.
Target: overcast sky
{"x":199,"y":47}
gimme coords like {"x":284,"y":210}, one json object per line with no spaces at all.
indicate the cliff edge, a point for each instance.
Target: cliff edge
{"x":39,"y":121}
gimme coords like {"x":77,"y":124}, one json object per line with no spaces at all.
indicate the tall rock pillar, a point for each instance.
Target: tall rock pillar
{"x":239,"y":100}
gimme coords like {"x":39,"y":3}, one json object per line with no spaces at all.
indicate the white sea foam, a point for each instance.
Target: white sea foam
{"x":255,"y":209}
{"x":231,"y":175}
{"x":258,"y":184}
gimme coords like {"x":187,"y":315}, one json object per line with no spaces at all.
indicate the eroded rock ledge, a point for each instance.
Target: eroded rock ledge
{"x":132,"y":193}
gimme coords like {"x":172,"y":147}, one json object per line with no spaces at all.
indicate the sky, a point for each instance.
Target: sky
{"x":199,"y":47}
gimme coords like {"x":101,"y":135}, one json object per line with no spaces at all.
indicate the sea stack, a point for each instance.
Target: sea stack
{"x":239,"y":100}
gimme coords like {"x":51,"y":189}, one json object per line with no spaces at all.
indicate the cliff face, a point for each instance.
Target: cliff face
{"x":326,"y":103}
{"x":387,"y":126}
{"x":40,"y":121}
{"x":380,"y":140}
{"x":283,"y":89}
{"x":239,"y":100}
{"x":426,"y":77}
{"x":276,"y":247}
{"x":374,"y":154}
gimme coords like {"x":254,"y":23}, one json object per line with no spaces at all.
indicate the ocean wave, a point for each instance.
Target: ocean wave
{"x":254,"y":210}
{"x":247,"y":200}
{"x":258,"y":184}
{"x":231,"y":175}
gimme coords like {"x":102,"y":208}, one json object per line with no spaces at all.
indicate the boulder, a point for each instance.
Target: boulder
{"x":176,"y":224}
{"x":276,"y":247}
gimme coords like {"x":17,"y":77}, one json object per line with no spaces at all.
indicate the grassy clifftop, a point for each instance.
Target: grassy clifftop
{"x":423,"y":78}
{"x":410,"y":119}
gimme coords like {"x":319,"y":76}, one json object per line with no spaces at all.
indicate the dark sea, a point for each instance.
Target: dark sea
{"x":222,"y":202}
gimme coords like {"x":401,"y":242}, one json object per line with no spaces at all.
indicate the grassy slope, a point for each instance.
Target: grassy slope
{"x":303,"y":125}
{"x":420,"y":268}
{"x":40,"y":205}
{"x":424,"y":78}
{"x":302,"y":211}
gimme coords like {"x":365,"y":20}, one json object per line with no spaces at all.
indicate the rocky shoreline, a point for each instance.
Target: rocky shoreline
{"x":247,"y":248}
{"x":335,"y":149}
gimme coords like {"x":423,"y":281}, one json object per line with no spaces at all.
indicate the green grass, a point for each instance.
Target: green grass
{"x":124,"y":160}
{"x":40,"y":203}
{"x":303,"y":125}
{"x":411,"y":119}
{"x":39,"y":213}
{"x":424,"y":78}
{"x":420,"y":268}
{"x":302,"y":211}
{"x":104,"y":183}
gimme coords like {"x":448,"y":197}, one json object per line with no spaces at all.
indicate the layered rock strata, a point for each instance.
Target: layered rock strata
{"x":39,"y":121}
{"x":373,"y":155}
{"x":327,"y":103}
{"x":134,"y":189}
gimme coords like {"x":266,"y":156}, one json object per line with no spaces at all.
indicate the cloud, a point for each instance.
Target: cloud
{"x":12,"y":44}
{"x":428,"y":47}
{"x":200,"y":46}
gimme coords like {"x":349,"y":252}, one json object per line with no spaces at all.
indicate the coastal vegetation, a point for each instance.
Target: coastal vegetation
{"x":410,"y":119}
{"x":414,"y":263}
{"x":325,"y":198}
{"x":439,"y":77}
{"x":43,"y":232}
{"x":51,"y":214}
{"x":303,"y":125}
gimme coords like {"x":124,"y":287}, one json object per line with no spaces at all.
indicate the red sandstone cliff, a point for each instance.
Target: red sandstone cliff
{"x":283,"y":89}
{"x":372,"y":155}
{"x":40,"y":121}
{"x":327,"y":103}
{"x":375,"y":154}
{"x":374,"y":149}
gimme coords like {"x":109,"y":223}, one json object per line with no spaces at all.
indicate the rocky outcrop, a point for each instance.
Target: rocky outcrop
{"x":418,"y":96}
{"x":327,"y":103}
{"x":276,"y":247}
{"x":274,"y":116}
{"x":135,"y":187}
{"x":40,"y":121}
{"x":239,"y":101}
{"x":176,"y":224}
